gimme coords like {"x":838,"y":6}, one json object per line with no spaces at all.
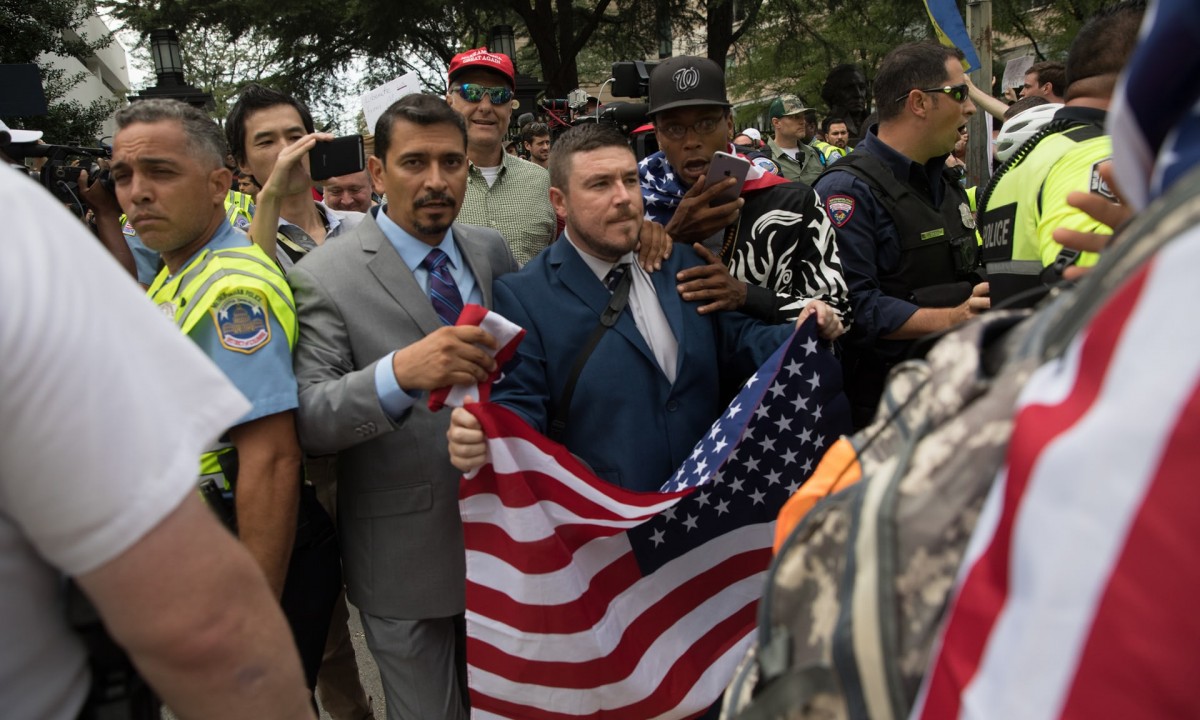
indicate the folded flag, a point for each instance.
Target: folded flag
{"x":586,"y":600}
{"x":508,"y":336}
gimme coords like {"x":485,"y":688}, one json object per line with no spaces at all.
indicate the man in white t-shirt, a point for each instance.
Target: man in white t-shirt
{"x":96,"y":483}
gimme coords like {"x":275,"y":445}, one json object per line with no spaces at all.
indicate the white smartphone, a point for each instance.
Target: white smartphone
{"x":724,"y":165}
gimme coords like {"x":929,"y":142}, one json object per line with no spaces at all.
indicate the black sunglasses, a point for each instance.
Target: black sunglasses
{"x":958,"y":92}
{"x":474,"y":93}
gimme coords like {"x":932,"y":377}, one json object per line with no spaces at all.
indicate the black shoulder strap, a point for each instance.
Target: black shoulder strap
{"x":871,"y":171}
{"x":616,"y":305}
{"x":1054,"y":126}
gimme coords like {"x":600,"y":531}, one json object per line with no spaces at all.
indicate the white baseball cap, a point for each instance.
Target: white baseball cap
{"x":9,"y":136}
{"x":753,"y":134}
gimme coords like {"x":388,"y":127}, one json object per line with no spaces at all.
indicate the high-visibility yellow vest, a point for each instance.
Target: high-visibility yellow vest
{"x":189,"y":296}
{"x":237,"y":205}
{"x":829,"y":153}
{"x":1024,"y":205}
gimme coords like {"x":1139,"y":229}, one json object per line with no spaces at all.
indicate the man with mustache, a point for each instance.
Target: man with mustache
{"x":647,"y":390}
{"x":377,"y":312}
{"x":232,"y":301}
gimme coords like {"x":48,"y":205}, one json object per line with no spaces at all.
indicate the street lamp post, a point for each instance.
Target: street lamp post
{"x":168,"y":68}
{"x":503,"y":41}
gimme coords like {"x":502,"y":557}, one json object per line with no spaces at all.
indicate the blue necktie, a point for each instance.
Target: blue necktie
{"x":443,"y":292}
{"x":613,"y":278}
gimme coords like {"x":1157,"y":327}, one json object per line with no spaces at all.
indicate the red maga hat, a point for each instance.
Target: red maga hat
{"x":481,"y":58}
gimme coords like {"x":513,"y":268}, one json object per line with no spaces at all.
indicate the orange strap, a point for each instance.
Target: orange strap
{"x":838,"y":470}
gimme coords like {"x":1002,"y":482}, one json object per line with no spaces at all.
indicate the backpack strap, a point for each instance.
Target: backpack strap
{"x":612,"y":313}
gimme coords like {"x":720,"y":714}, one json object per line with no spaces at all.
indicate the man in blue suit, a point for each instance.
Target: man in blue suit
{"x":650,"y":387}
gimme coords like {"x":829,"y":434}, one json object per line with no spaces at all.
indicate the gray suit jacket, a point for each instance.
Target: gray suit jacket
{"x":398,"y":521}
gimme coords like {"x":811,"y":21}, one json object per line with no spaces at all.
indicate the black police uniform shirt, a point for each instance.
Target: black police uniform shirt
{"x":868,"y":241}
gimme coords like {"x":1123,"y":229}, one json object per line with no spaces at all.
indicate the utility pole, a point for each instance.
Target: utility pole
{"x":979,"y":27}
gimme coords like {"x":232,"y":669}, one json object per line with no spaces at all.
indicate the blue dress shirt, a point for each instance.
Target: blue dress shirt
{"x":392,"y":398}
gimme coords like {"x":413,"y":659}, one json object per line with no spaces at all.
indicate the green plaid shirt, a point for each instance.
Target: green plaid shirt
{"x":517,"y":205}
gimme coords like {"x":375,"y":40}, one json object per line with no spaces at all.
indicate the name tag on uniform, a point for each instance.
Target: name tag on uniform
{"x":931,"y":234}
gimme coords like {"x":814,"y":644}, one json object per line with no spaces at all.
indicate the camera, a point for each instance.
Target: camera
{"x":64,"y":164}
{"x":555,"y":105}
{"x":632,"y":78}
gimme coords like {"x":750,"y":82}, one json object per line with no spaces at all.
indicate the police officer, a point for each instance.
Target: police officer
{"x":905,"y":232}
{"x":239,"y":211}
{"x":233,"y":302}
{"x":834,"y":146}
{"x":1026,"y":199}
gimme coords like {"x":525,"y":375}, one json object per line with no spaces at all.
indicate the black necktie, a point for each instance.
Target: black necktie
{"x":614,"y":276}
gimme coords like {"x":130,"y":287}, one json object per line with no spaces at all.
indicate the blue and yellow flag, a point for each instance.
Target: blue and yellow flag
{"x":951,"y":30}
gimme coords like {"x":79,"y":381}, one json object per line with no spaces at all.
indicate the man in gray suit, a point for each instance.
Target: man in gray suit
{"x":376,"y":311}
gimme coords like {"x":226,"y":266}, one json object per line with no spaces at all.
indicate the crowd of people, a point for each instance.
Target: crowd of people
{"x":313,"y":319}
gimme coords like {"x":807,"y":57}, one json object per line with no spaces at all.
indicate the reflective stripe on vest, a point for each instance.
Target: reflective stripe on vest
{"x":237,"y":203}
{"x":829,"y":152}
{"x":192,"y":293}
{"x":1008,"y":226}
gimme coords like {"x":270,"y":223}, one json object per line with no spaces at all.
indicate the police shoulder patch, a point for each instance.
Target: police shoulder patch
{"x":841,"y":208}
{"x":1098,"y":185}
{"x":242,"y":317}
{"x":766,"y":164}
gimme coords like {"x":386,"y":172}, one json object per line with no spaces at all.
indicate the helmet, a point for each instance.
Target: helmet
{"x":1022,"y":126}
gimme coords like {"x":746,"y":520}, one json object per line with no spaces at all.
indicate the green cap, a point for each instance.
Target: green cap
{"x":785,"y":105}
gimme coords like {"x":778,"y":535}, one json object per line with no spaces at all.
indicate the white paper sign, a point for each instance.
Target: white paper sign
{"x":1014,"y":71}
{"x":376,"y":101}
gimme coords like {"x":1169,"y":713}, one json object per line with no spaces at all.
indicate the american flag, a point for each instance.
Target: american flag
{"x":585,"y":600}
{"x":1155,"y":114}
{"x":1078,"y":592}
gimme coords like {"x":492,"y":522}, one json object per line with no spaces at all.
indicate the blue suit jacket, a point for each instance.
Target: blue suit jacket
{"x":626,"y":421}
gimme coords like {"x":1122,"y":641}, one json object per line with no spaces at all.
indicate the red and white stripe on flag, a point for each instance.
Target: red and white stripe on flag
{"x":508,"y":336}
{"x":586,"y":600}
{"x":1077,"y":597}
{"x":563,"y":623}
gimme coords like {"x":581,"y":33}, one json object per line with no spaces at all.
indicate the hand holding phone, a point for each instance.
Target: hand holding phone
{"x":724,"y":165}
{"x":340,"y":156}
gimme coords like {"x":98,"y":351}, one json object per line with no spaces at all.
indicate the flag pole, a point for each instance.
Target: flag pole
{"x":979,"y":27}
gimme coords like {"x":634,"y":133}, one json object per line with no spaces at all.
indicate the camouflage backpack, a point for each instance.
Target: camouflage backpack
{"x":857,"y":591}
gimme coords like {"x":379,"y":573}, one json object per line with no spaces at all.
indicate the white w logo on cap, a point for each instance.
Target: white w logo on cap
{"x":686,"y":78}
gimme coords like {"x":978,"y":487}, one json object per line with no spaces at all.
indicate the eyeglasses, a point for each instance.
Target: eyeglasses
{"x":473,"y":93}
{"x":703,"y":126}
{"x":958,"y":92}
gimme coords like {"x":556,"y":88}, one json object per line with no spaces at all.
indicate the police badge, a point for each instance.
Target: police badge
{"x":242,"y":320}
{"x":841,"y":208}
{"x":968,"y":217}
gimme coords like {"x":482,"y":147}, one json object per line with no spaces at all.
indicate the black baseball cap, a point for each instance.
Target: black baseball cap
{"x":686,"y":81}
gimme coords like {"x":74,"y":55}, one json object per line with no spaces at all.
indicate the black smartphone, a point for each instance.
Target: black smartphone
{"x":339,"y":156}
